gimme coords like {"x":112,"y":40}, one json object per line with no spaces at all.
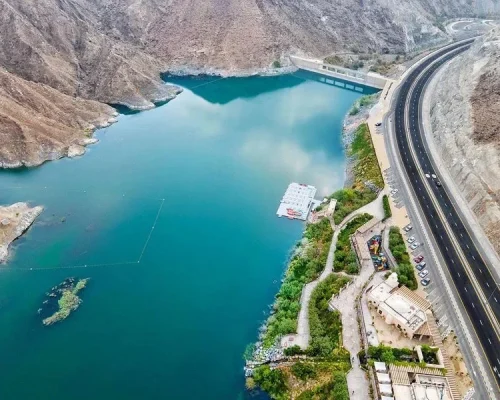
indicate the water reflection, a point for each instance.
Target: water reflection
{"x":209,"y":255}
{"x":229,"y":89}
{"x":298,"y":138}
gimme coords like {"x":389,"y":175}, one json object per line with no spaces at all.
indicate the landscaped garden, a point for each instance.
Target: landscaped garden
{"x":323,"y":371}
{"x":345,"y":257}
{"x":305,"y":266}
{"x":367,"y":176}
{"x":405,"y":271}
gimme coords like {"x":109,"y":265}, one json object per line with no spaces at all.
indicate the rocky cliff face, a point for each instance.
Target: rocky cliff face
{"x":70,"y":53}
{"x":465,"y":111}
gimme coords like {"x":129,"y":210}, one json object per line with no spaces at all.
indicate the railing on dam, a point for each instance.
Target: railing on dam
{"x":369,"y":79}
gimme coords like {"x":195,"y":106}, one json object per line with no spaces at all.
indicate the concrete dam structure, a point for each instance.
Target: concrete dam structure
{"x":369,"y":79}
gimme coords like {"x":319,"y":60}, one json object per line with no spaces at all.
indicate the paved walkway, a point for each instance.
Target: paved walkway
{"x":371,"y":332}
{"x":356,"y":379}
{"x":377,"y":114}
{"x":303,"y":336}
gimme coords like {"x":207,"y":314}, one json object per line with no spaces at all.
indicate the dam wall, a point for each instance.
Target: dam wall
{"x":369,"y":79}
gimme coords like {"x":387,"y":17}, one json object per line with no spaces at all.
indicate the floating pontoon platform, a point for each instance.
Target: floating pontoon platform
{"x":297,"y":201}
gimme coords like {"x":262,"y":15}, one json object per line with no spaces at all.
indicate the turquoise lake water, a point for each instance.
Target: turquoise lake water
{"x":207,"y":170}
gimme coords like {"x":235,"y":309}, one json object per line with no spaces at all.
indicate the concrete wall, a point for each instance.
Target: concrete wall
{"x":367,"y":79}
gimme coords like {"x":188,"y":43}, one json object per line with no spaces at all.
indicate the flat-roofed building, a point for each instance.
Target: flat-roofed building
{"x":401,"y":307}
{"x":419,"y":384}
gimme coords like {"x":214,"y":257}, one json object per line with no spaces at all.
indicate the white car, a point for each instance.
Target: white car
{"x":434,"y":176}
{"x":408,"y":228}
{"x":394,"y":191}
{"x":427,"y":176}
{"x":414,"y":245}
{"x":423,"y":273}
{"x":411,"y":239}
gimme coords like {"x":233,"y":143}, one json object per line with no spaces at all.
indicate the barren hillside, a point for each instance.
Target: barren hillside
{"x":112,"y":51}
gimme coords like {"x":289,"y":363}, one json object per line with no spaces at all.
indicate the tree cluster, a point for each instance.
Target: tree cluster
{"x":325,"y":326}
{"x":345,"y":258}
{"x":302,"y":269}
{"x":387,"y":207}
{"x":405,"y":271}
{"x":335,"y":389}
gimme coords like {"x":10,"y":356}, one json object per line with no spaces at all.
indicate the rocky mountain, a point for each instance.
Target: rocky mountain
{"x":66,"y":55}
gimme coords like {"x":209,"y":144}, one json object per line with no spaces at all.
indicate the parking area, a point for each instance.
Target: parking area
{"x":427,"y":278}
{"x":393,"y":185}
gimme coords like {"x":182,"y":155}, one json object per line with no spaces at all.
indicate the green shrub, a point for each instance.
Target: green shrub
{"x":392,"y":355}
{"x":304,"y":371}
{"x":293,"y":351}
{"x":430,"y":354}
{"x":335,"y":389}
{"x":276,"y":64}
{"x":349,"y":200}
{"x":366,"y":169}
{"x":325,"y":326}
{"x":302,"y":269}
{"x":271,"y":381}
{"x":387,"y":207}
{"x":354,"y":110}
{"x":345,"y":258}
{"x":367,"y":100}
{"x":405,"y":271}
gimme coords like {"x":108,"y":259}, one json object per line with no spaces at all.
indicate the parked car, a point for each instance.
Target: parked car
{"x":378,"y":124}
{"x":434,"y":176}
{"x":423,"y":273}
{"x":419,"y":267}
{"x":411,"y":239}
{"x":418,"y":258}
{"x":438,"y":183}
{"x":427,"y":176}
{"x":425,"y":281}
{"x":414,"y":245}
{"x":394,"y":191}
{"x":408,"y":228}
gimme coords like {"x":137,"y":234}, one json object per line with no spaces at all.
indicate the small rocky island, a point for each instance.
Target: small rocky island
{"x":14,"y":221}
{"x":62,"y":300}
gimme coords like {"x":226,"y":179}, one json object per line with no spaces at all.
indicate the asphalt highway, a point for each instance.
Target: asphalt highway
{"x":409,"y":99}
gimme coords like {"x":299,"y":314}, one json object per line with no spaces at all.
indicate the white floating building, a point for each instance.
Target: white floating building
{"x":297,"y":201}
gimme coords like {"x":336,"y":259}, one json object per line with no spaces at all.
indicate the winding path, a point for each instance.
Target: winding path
{"x":303,"y":336}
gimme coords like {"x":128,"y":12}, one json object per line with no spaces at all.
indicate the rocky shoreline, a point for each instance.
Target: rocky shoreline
{"x":350,"y":125}
{"x":259,"y":354}
{"x":286,"y":68}
{"x":14,"y":221}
